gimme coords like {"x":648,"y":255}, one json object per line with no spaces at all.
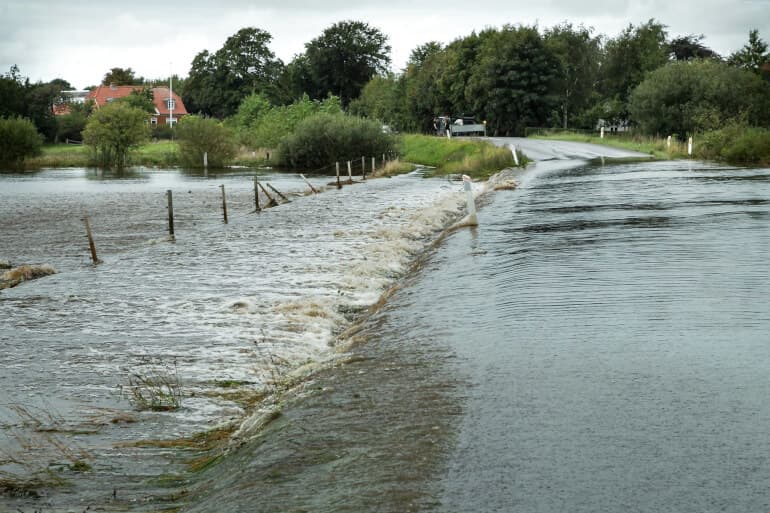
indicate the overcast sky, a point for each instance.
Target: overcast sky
{"x":80,"y":40}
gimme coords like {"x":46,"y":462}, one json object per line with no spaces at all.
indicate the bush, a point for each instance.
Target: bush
{"x":113,"y":131}
{"x":737,"y":144}
{"x":197,"y":135}
{"x":323,"y":139}
{"x":687,"y":97}
{"x":261,"y":125}
{"x":19,"y":139}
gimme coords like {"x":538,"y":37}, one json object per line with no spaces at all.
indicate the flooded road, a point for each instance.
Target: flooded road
{"x":617,"y":342}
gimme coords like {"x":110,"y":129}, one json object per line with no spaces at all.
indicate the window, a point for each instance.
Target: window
{"x":154,"y":120}
{"x":170,"y":104}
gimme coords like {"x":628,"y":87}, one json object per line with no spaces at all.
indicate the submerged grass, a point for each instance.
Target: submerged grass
{"x":478,"y":159}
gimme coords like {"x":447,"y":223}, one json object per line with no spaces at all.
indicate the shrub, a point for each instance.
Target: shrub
{"x":19,"y":139}
{"x":113,"y":131}
{"x":737,"y":144}
{"x":261,"y":125}
{"x":197,"y":135}
{"x":687,"y":97}
{"x":324,"y":138}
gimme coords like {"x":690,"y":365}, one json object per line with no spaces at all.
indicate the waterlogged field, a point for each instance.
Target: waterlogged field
{"x":95,"y":358}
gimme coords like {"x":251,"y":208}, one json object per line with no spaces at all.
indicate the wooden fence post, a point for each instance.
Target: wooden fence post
{"x":350,"y":172}
{"x":90,"y":241}
{"x":224,"y":202}
{"x":256,"y":194}
{"x":170,"y":213}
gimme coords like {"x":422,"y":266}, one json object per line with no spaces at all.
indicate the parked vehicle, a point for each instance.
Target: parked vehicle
{"x":461,"y":125}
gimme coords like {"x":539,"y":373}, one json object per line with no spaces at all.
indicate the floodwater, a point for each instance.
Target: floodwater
{"x":598,"y":343}
{"x":242,"y":303}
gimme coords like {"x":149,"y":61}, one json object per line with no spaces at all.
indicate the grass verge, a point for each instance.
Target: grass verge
{"x":478,"y":159}
{"x":734,"y":144}
{"x":655,"y":146}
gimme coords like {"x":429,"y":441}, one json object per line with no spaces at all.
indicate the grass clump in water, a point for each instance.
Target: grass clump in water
{"x":158,"y":388}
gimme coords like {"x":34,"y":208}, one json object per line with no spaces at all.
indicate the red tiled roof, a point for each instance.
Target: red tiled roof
{"x":105,"y":94}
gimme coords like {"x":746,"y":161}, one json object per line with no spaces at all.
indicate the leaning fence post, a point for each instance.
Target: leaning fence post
{"x":90,"y":240}
{"x":170,"y":213}
{"x":224,"y":202}
{"x":363,"y":168}
{"x":313,"y":189}
{"x":256,"y":194}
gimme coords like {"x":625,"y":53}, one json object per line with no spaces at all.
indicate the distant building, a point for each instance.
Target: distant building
{"x":169,"y":107}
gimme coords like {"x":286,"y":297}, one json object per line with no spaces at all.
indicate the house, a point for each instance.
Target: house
{"x":169,"y":107}
{"x":62,"y":105}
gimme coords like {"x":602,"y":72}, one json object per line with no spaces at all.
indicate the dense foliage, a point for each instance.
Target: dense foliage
{"x":323,"y":139}
{"x":19,"y":139}
{"x":113,"y":131}
{"x":198,"y":135}
{"x":219,"y":82}
{"x":687,"y":97}
{"x":737,"y":144}
{"x":259,"y":124}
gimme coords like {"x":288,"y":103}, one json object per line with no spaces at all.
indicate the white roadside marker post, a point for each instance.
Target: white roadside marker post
{"x":472,"y":220}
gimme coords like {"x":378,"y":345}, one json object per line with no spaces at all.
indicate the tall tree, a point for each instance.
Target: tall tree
{"x":630,"y":56}
{"x":12,"y":93}
{"x":512,"y":81}
{"x":579,"y":54}
{"x":345,"y":57}
{"x":218,"y":82}
{"x":121,"y":76}
{"x":687,"y":48}
{"x":753,"y":55}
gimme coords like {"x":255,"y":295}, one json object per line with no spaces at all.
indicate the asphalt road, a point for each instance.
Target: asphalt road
{"x":542,"y":149}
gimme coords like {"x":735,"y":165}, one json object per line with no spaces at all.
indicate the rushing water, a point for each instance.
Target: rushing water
{"x":598,"y":343}
{"x":238,"y":303}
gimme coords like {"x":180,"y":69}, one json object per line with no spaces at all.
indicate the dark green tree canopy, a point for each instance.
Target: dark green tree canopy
{"x":579,"y":55}
{"x":120,"y":76}
{"x":219,"y":82}
{"x":345,"y":57}
{"x":687,"y":48}
{"x":631,"y":55}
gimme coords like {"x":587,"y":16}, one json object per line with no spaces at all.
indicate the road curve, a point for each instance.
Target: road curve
{"x":550,"y":149}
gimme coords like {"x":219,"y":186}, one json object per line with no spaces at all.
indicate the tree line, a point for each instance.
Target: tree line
{"x":511,"y":77}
